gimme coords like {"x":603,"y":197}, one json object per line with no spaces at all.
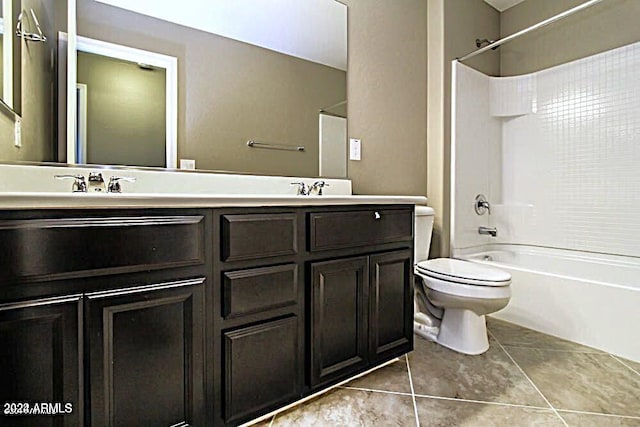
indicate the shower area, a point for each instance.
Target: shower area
{"x":546,"y":172}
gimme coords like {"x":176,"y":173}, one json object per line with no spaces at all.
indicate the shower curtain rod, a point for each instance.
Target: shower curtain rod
{"x":529,"y":29}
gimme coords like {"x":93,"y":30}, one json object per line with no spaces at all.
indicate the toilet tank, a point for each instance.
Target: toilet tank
{"x":423,"y":226}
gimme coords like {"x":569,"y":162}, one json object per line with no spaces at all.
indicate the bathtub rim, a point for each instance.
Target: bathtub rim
{"x":620,"y":261}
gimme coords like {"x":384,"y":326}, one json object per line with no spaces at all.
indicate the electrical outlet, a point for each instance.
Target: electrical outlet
{"x":17,"y":133}
{"x":355,"y":149}
{"x":187,"y":164}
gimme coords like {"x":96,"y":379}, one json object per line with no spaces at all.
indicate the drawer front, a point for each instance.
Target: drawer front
{"x":259,"y":289}
{"x":337,"y":230}
{"x":48,"y":249}
{"x":258,"y":236}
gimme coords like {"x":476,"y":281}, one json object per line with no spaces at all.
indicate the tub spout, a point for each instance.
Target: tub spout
{"x":491,"y":231}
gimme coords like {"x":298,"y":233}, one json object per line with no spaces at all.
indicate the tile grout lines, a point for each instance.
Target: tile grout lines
{"x":529,"y":379}
{"x":413,"y":393}
{"x":621,"y":361}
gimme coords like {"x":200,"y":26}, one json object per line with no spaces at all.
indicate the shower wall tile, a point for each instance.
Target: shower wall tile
{"x":574,"y":161}
{"x":512,"y":96}
{"x":474,"y":134}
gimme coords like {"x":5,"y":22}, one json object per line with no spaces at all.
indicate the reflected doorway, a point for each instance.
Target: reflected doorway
{"x":126,"y":106}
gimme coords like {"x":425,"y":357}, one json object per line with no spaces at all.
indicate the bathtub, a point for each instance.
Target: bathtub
{"x":591,"y":299}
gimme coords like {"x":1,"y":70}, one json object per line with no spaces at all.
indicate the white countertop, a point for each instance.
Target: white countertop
{"x":53,"y":200}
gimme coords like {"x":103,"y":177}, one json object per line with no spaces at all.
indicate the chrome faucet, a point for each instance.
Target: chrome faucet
{"x":79,"y":184}
{"x":491,"y":231}
{"x":302,"y":188}
{"x":114,"y":183}
{"x":96,"y":182}
{"x":317,"y":186}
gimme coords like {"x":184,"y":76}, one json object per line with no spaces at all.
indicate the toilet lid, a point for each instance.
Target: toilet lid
{"x":461,"y":271}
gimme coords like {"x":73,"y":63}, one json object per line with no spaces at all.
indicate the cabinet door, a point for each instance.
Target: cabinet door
{"x":390,"y":305}
{"x":261,"y":367}
{"x":339,"y":318}
{"x":146,"y":355}
{"x":39,"y":361}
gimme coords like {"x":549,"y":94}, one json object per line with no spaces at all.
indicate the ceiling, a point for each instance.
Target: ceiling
{"x":502,"y":5}
{"x":315,"y":30}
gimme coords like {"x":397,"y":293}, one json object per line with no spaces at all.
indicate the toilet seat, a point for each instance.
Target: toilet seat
{"x":462,"y":272}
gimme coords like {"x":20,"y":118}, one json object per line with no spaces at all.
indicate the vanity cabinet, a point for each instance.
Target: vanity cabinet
{"x":261,"y":316}
{"x":145,"y":355}
{"x":210,"y":316}
{"x":102,"y":316}
{"x":40,"y":359}
{"x":361,"y":306}
{"x":362,"y":313}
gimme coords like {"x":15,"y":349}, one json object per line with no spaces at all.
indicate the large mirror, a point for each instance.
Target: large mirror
{"x":267,"y":71}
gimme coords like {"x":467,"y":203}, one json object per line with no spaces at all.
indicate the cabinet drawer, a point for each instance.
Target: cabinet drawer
{"x":80,"y":247}
{"x":259,"y":289}
{"x":258,"y":236}
{"x":336,"y":230}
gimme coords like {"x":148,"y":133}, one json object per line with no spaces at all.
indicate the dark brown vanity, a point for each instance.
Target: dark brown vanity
{"x":210,"y":316}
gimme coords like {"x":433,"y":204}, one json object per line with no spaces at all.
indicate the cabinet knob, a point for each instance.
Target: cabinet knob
{"x":377,"y":215}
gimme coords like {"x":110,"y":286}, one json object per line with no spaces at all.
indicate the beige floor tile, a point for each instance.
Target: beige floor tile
{"x":393,"y":377}
{"x":581,"y":381}
{"x":588,"y":420}
{"x":346,"y":407}
{"x":489,"y":377}
{"x":631,"y":364}
{"x":444,"y":413}
{"x":517,"y":336}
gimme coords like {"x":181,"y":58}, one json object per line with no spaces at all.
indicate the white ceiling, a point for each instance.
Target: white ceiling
{"x":315,"y":30}
{"x":502,"y":5}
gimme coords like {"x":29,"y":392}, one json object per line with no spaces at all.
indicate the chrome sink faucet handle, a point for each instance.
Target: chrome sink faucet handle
{"x":96,"y":182}
{"x":302,"y":188}
{"x":114,"y":183}
{"x":318,"y":185}
{"x":79,"y":184}
{"x":482,"y":205}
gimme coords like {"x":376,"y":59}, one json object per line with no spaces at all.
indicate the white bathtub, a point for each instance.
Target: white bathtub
{"x":591,"y":299}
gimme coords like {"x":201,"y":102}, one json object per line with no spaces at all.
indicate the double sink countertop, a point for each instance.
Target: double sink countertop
{"x":59,"y":200}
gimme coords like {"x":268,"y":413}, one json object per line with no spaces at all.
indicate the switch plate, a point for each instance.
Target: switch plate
{"x":187,"y":164}
{"x":17,"y":133}
{"x":355,"y":149}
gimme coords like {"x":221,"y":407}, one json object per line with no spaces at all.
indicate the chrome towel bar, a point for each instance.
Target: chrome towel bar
{"x":258,"y":144}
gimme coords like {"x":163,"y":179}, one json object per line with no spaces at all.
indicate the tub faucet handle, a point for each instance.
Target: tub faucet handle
{"x":482,"y":205}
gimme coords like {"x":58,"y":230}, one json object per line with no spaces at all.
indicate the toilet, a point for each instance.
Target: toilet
{"x":452,"y":296}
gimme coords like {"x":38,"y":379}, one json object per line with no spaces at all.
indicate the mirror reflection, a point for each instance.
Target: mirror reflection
{"x":29,"y":126}
{"x":10,"y":63}
{"x":229,"y":91}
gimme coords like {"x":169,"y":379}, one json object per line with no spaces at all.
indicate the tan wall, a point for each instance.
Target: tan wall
{"x":454,"y":26}
{"x":230,"y":92}
{"x":604,"y":26}
{"x":126,"y":112}
{"x":387,"y":91}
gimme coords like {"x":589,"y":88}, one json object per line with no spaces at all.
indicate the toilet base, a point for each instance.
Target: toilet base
{"x":463,"y":331}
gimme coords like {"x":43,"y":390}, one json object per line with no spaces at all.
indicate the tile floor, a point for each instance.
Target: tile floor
{"x":525,"y":379}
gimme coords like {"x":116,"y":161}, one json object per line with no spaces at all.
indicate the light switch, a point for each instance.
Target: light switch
{"x":17,"y":133}
{"x":354,"y":149}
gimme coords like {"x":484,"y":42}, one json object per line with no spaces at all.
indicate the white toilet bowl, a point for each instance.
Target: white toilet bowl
{"x":462,"y":293}
{"x":452,"y":296}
